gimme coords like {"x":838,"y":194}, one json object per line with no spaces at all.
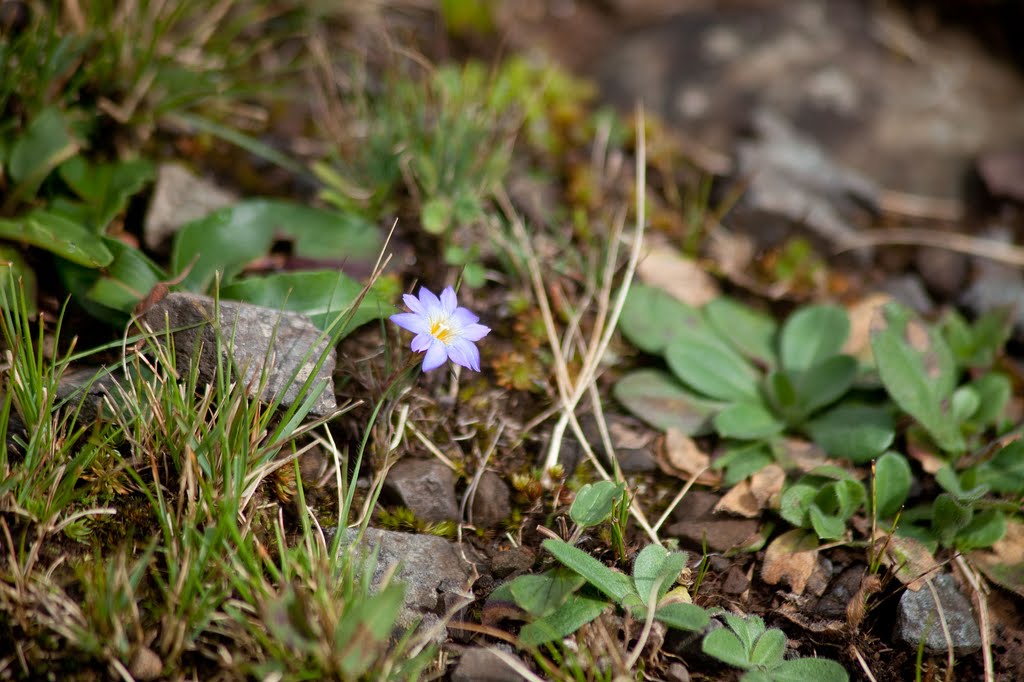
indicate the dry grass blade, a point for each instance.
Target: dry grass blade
{"x":991,"y":249}
{"x":606,"y":319}
{"x":980,"y":593}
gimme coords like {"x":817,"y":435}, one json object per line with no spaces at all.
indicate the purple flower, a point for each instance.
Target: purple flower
{"x":445,"y":330}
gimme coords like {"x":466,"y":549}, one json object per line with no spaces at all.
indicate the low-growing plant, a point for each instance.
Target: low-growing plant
{"x":739,"y":375}
{"x":746,"y":643}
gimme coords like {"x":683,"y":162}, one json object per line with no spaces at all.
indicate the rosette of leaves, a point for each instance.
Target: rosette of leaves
{"x":734,"y":372}
{"x":746,"y":643}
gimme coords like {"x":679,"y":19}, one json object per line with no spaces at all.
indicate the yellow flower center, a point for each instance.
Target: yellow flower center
{"x":440,"y":331}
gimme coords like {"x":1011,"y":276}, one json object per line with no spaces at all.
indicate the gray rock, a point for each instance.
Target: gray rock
{"x":793,"y":179}
{"x":89,"y":390}
{"x":253,"y":338}
{"x":677,"y":672}
{"x":918,"y":619}
{"x":432,"y":569}
{"x":426,"y":486}
{"x":492,"y":502}
{"x":842,"y":72}
{"x":180,"y":197}
{"x":481,"y":665}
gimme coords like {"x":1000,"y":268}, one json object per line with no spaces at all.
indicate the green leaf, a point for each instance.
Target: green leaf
{"x":615,"y":585}
{"x":563,"y":622}
{"x":994,"y":391}
{"x":59,"y":236}
{"x":106,"y":187}
{"x":853,"y":431}
{"x":1004,"y":473}
{"x":949,"y":517}
{"x":748,"y":331}
{"x":661,"y":401}
{"x":712,"y":368}
{"x":892,"y":484}
{"x":127,"y":280}
{"x":812,"y":335}
{"x":984,"y":530}
{"x":795,"y":504}
{"x":683,"y":616}
{"x":743,"y":459}
{"x":964,"y":403}
{"x":726,"y":646}
{"x":810,"y":670}
{"x":229,"y":239}
{"x":918,"y":391}
{"x":842,"y":498}
{"x":769,"y":649}
{"x":827,"y":526}
{"x":747,"y":421}
{"x":365,"y":627}
{"x":824,"y":383}
{"x":978,"y":345}
{"x":45,"y":144}
{"x":436,"y":215}
{"x":14,"y":268}
{"x":651,"y":318}
{"x":594,"y":502}
{"x":656,"y":565}
{"x":323,"y":295}
{"x":540,"y":595}
{"x":748,"y":628}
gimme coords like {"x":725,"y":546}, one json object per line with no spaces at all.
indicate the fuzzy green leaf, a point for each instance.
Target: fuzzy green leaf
{"x":809,"y":670}
{"x":919,"y":382}
{"x":651,"y":318}
{"x":656,"y":565}
{"x":892,"y":484}
{"x":594,"y":502}
{"x":724,"y":645}
{"x":853,"y":431}
{"x":747,"y":421}
{"x":541,"y":594}
{"x":710,"y":367}
{"x":661,"y":401}
{"x":812,"y":335}
{"x":769,"y":648}
{"x":750,"y":332}
{"x":563,"y":622}
{"x":683,"y":616}
{"x":611,"y":583}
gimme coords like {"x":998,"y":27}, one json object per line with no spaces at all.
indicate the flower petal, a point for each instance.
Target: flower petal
{"x":448,"y":300}
{"x":417,"y":324}
{"x":462,"y":317}
{"x":431,"y":304}
{"x":421,"y":342}
{"x":474,"y":332}
{"x":464,"y":353}
{"x":413,"y":303}
{"x":435,"y":357}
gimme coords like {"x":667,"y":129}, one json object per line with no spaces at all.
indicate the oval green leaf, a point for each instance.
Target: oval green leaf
{"x":59,"y":236}
{"x":813,"y":334}
{"x":710,"y":367}
{"x":747,"y":421}
{"x":664,"y":403}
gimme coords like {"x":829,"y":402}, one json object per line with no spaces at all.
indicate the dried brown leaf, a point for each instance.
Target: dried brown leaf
{"x":680,"y":456}
{"x":861,"y":313}
{"x":791,"y":558}
{"x":750,"y":497}
{"x":681,"y":277}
